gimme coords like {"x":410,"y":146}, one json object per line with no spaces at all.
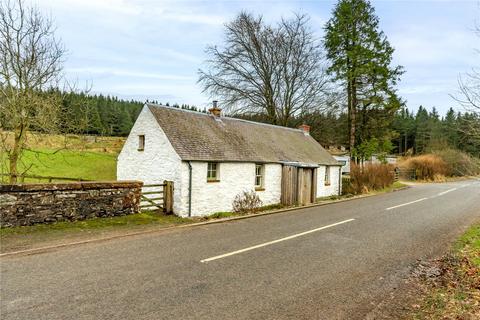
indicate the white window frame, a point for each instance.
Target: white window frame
{"x":259,"y":175}
{"x":213,"y":169}
{"x":327,"y":175}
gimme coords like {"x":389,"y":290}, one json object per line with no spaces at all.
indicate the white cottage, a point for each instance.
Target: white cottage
{"x":212,"y":158}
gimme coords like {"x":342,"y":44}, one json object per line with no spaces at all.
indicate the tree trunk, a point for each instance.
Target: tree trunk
{"x":400,"y":142}
{"x":19,"y":140}
{"x":349,"y":113}
{"x":353,"y":114}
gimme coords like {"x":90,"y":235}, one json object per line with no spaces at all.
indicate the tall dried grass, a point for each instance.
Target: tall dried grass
{"x":427,"y":167}
{"x":459,"y":163}
{"x":369,"y":177}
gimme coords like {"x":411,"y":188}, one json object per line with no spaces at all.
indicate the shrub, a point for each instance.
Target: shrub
{"x":427,"y":167}
{"x":246,"y":202}
{"x":347,"y":186}
{"x":369,"y":177}
{"x":459,"y":163}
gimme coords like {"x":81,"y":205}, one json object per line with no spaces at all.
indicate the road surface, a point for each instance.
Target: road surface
{"x":328,"y":262}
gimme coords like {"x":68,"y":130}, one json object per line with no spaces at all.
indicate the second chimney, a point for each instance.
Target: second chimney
{"x":215,"y":110}
{"x":305,"y":128}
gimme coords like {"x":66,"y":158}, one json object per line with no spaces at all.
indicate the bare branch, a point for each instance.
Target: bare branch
{"x":263,"y":69}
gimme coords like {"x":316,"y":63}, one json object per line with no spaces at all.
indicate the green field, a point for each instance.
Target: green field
{"x":77,"y":157}
{"x":69,"y":164}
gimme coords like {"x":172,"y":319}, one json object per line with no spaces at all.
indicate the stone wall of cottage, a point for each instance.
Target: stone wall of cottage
{"x":157,"y":162}
{"x":29,"y":204}
{"x":335,"y":186}
{"x":234,"y":179}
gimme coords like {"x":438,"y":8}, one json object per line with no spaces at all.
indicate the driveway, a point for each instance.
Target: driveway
{"x":330,"y":262}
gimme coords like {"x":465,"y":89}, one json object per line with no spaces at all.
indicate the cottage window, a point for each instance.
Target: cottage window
{"x":327,"y":175}
{"x":212,"y":171}
{"x":141,"y":142}
{"x":259,"y":171}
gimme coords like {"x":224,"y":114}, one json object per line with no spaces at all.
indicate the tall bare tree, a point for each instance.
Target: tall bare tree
{"x":31,"y":61}
{"x":274,"y":70}
{"x":469,"y":96}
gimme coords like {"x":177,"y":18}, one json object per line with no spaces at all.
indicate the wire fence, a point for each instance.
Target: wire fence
{"x":32,"y":178}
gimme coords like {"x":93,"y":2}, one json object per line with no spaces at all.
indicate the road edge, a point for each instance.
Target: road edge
{"x":189,"y":225}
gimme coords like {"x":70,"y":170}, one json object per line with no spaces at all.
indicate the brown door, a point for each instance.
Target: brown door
{"x":299,"y":185}
{"x":289,"y":185}
{"x":306,"y":186}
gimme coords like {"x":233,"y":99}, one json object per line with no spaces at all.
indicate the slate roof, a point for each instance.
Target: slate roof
{"x":199,"y":136}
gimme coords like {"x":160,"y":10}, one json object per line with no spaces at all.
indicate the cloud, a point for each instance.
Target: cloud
{"x":153,"y":48}
{"x":192,"y":18}
{"x":421,"y":46}
{"x":127,"y":73}
{"x":110,"y":6}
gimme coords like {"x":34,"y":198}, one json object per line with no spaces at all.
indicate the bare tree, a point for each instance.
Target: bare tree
{"x":469,"y":96}
{"x":31,"y":61}
{"x":264,"y":69}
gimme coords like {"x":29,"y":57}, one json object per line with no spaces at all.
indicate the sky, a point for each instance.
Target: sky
{"x":150,"y":49}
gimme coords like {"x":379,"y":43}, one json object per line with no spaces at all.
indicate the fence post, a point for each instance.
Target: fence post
{"x":168,"y":196}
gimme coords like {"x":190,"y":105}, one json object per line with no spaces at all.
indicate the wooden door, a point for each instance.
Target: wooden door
{"x":289,"y":194}
{"x":306,"y":186}
{"x":299,"y":185}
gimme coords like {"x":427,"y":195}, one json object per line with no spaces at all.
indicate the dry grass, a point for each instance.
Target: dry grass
{"x":36,"y":140}
{"x":459,"y":163}
{"x":439,"y":164}
{"x":452,"y":283}
{"x":427,"y":167}
{"x":369,"y":177}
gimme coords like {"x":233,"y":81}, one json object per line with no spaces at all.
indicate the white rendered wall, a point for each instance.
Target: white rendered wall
{"x":346,"y":167}
{"x":335,"y":182}
{"x":235,"y":177}
{"x":158,"y":161}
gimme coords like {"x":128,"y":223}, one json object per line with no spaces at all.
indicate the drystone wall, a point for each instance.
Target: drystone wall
{"x":28,"y":204}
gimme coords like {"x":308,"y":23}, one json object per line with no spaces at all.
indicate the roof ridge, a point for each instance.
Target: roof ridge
{"x":229,"y":118}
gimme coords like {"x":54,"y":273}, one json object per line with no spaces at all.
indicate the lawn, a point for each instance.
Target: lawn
{"x":69,"y":164}
{"x":72,"y":156}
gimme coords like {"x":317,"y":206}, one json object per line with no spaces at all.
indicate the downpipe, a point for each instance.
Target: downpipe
{"x":340,"y":181}
{"x":189,"y":189}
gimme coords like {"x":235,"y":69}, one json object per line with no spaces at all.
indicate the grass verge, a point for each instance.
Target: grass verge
{"x":395,"y":186}
{"x":228,"y":214}
{"x":40,"y":235}
{"x":454,"y":293}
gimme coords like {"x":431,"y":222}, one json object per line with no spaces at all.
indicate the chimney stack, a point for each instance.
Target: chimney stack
{"x":215,"y":110}
{"x":305,"y":128}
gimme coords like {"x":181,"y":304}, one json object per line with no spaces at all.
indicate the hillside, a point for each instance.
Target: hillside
{"x":74,"y":156}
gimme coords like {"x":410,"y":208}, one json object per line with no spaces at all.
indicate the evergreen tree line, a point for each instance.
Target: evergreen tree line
{"x":104,"y":114}
{"x":425,"y":131}
{"x":409,"y":132}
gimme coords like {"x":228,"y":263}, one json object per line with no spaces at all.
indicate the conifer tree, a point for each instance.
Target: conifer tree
{"x":360,"y":59}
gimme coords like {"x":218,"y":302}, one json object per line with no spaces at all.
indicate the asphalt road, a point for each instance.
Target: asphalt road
{"x":313,"y":263}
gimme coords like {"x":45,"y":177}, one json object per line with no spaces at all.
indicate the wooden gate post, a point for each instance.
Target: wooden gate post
{"x":168,"y":197}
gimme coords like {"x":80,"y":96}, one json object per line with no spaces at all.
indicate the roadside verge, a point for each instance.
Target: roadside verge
{"x":447,"y":287}
{"x":26,"y":243}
